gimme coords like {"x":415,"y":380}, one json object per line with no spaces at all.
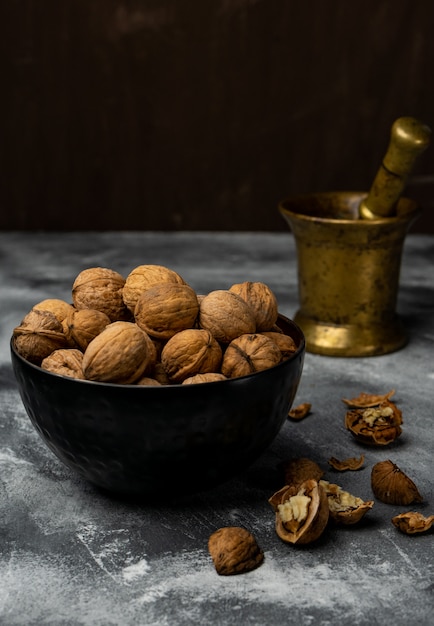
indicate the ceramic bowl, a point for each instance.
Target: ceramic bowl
{"x":136,"y":440}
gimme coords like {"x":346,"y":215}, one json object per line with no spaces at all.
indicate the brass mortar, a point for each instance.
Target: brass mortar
{"x":349,"y":249}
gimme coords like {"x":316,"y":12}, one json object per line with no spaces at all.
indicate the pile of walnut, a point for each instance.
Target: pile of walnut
{"x":307,"y":503}
{"x":153,"y":329}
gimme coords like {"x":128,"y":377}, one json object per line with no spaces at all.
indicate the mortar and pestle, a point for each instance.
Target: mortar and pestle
{"x":349,"y":247}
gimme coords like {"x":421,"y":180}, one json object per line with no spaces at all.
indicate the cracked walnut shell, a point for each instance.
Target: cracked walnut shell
{"x":121,"y":353}
{"x":249,"y":353}
{"x":379,"y":425}
{"x":302,"y":512}
{"x":392,"y":486}
{"x":343,"y":506}
{"x":234,"y":550}
{"x":261,"y":300}
{"x":412,"y":522}
{"x":189,"y":352}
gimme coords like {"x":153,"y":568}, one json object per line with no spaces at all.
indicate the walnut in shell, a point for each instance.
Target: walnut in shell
{"x":392,"y":486}
{"x":296,"y":471}
{"x":234,"y":550}
{"x":189,"y":352}
{"x":249,"y":353}
{"x":210,"y":377}
{"x":101,"y":288}
{"x":81,"y":326}
{"x":121,"y":353}
{"x":261,"y":300}
{"x":38,"y":335}
{"x":65,"y":362}
{"x":226,"y":315}
{"x":302,"y":512}
{"x":412,"y":522}
{"x":285,"y":343}
{"x":379,"y":425}
{"x":165,"y":309}
{"x":144,"y":276}
{"x":59,"y":308}
{"x":343,"y":506}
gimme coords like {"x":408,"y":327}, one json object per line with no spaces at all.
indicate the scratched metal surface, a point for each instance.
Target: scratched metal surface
{"x":71,"y":556}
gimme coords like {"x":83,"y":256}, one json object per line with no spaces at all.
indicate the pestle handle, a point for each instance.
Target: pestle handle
{"x":408,"y":139}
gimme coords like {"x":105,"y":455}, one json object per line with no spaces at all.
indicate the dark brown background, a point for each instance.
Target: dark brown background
{"x":202,"y":114}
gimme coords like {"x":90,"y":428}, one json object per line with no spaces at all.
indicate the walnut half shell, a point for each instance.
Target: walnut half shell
{"x":302,"y":512}
{"x":392,"y":486}
{"x":378,"y":426}
{"x":344,"y":507}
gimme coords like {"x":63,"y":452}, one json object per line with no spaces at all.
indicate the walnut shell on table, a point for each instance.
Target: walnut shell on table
{"x":249,"y":353}
{"x":165,"y":309}
{"x":65,"y":362}
{"x":81,"y":326}
{"x":345,"y":508}
{"x":261,"y":300}
{"x":142,"y":278}
{"x":234,"y":550}
{"x":302,"y":512}
{"x":392,"y":486}
{"x":101,"y":288}
{"x":189,"y":352}
{"x":38,"y":335}
{"x":226,"y":315}
{"x":122,"y":353}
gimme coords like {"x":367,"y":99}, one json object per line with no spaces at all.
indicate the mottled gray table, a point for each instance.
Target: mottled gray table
{"x":70,"y":556}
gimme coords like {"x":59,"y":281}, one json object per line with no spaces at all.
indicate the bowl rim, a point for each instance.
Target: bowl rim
{"x":157,"y":388}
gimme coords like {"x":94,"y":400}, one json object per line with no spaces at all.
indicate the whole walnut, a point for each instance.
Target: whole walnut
{"x":189,"y":352}
{"x":249,"y":353}
{"x":143,"y":277}
{"x":226,"y":315}
{"x":59,"y":308}
{"x":261,"y":300}
{"x":122,"y":353}
{"x":285,"y":343}
{"x":81,"y":326}
{"x":38,"y":335}
{"x":165,"y":309}
{"x":209,"y":377}
{"x":101,"y":288}
{"x":65,"y":362}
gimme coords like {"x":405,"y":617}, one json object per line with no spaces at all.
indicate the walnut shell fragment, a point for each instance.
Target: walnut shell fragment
{"x":351,"y":463}
{"x":378,"y":426}
{"x":261,"y":300}
{"x":234,"y":550}
{"x":300,"y":412}
{"x":249,"y":353}
{"x":302,"y":512}
{"x":365,"y":400}
{"x":344,"y":507}
{"x":65,"y":362}
{"x":412,"y":522}
{"x":296,"y":471}
{"x":392,"y":486}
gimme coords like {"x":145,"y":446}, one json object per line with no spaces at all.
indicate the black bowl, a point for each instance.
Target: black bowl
{"x":135,"y":440}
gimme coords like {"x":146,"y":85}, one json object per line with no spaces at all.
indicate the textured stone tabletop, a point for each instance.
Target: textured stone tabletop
{"x":71,"y":556}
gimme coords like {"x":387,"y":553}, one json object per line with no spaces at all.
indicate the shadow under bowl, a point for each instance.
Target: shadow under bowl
{"x":134,"y":440}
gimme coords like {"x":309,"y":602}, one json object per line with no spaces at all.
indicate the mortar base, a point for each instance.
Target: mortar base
{"x":351,"y":340}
